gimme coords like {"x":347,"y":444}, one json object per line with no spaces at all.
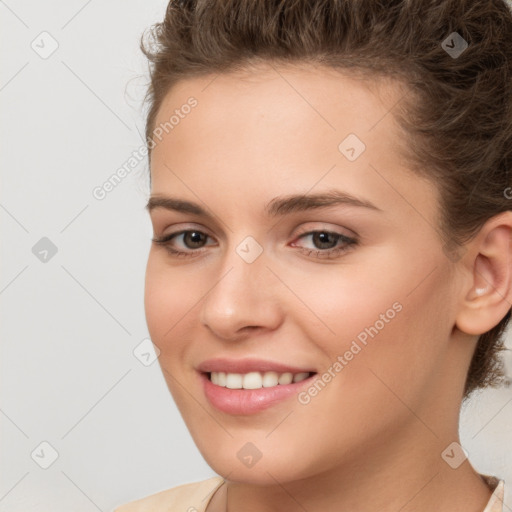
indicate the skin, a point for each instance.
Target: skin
{"x":372,"y":439}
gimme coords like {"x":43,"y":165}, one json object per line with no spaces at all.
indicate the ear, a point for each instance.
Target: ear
{"x":487,"y":287}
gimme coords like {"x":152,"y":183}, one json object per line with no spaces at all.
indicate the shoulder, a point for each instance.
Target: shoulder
{"x":191,"y":497}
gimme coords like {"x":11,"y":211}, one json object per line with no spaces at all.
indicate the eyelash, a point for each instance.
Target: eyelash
{"x":329,"y":253}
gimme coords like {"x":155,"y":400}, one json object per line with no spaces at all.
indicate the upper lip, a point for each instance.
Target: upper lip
{"x":248,"y":365}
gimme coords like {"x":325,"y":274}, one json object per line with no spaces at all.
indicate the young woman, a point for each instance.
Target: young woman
{"x":331,"y":269}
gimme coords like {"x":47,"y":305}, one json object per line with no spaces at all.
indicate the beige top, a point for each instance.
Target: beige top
{"x":196,"y":496}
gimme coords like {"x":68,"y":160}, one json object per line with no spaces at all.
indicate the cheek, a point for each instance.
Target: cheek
{"x":382,"y":325}
{"x":167,"y":299}
{"x":168,"y":303}
{"x":156,"y":300}
{"x":349,"y":301}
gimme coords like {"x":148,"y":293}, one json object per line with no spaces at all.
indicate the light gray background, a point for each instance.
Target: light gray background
{"x":70,"y":325}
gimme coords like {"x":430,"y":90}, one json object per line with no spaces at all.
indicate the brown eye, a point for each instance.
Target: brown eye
{"x":192,"y":238}
{"x":325,"y":242}
{"x":321,"y":238}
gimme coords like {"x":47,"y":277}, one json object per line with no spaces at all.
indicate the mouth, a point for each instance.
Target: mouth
{"x":256,"y":379}
{"x":252,"y":392}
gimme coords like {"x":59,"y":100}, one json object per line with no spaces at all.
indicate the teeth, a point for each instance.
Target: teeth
{"x":270,"y":379}
{"x":252,"y":380}
{"x":234,"y":380}
{"x":286,"y":378}
{"x":255,"y":380}
{"x":300,"y":376}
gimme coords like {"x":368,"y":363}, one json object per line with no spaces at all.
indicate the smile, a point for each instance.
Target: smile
{"x":256,"y":380}
{"x":268,"y":390}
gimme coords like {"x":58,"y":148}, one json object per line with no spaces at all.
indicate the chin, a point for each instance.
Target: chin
{"x":267,"y":470}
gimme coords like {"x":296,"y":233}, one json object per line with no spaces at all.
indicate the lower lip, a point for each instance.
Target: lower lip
{"x":249,"y":401}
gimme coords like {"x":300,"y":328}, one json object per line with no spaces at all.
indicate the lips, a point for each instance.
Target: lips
{"x":250,"y":401}
{"x":250,"y":365}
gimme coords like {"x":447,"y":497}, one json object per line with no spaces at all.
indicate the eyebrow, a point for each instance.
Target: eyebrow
{"x":276,"y":207}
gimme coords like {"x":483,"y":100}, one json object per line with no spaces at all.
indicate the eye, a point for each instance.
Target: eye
{"x":331,"y":243}
{"x":193,"y":237}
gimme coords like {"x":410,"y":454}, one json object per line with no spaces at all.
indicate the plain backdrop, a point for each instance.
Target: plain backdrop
{"x":85,"y":424}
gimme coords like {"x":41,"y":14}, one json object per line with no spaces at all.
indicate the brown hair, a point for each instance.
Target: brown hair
{"x":457,"y":117}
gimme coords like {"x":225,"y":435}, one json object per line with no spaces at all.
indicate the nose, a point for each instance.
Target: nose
{"x":243,"y":297}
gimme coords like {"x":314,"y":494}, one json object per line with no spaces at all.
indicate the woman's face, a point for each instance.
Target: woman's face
{"x":359,"y":291}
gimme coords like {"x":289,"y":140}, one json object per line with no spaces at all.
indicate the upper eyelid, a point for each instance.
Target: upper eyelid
{"x":301,"y":234}
{"x":184,"y":230}
{"x":351,"y":233}
{"x":302,"y":231}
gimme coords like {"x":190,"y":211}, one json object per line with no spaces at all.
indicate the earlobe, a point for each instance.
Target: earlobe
{"x":488,"y":288}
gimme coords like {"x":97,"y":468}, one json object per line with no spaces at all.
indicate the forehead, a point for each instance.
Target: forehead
{"x":274,"y":128}
{"x":274,"y":108}
{"x":305,"y":90}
